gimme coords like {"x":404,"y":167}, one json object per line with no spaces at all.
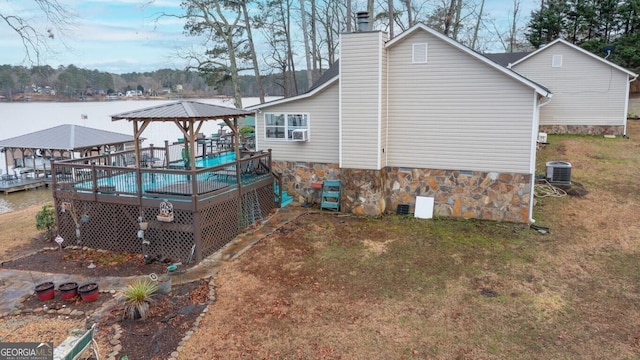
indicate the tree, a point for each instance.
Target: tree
{"x":548,"y":23}
{"x":219,"y":23}
{"x":34,"y":35}
{"x":252,"y":49}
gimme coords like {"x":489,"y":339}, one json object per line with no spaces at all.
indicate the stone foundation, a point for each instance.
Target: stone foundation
{"x":477,"y":195}
{"x":583,"y":129}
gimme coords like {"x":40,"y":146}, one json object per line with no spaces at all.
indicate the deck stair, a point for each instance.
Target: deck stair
{"x":286,"y":198}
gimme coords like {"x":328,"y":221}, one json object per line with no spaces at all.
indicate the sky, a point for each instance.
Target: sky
{"x":122,"y":36}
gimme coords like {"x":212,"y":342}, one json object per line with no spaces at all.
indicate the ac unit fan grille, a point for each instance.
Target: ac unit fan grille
{"x":559,"y":172}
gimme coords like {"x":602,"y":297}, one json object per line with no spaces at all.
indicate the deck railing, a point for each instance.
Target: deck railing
{"x":160,"y":173}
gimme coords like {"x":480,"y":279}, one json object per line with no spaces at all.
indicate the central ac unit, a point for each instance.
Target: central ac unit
{"x":559,"y":172}
{"x":300,"y":135}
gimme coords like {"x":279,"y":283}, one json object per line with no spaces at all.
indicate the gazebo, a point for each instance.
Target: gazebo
{"x":32,"y":153}
{"x":183,"y":201}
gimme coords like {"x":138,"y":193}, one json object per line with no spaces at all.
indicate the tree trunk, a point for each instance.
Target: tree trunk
{"x":254,"y":56}
{"x":307,"y":51}
{"x":409,"y":12}
{"x":370,"y":10}
{"x":477,"y":27}
{"x":314,"y":46}
{"x":349,"y":19}
{"x":391,"y":17}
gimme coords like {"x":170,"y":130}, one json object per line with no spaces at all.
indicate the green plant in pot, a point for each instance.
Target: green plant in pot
{"x":137,"y":296}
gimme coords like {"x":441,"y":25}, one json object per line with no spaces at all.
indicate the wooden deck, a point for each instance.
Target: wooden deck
{"x":8,"y":187}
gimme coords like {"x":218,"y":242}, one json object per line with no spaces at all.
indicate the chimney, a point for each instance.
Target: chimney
{"x":363,"y":20}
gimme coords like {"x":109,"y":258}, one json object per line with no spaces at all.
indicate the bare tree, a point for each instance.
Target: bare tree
{"x":371,"y":11}
{"x":349,"y":16}
{"x":34,"y":35}
{"x":307,"y":50}
{"x":252,"y":48}
{"x":407,"y":4}
{"x":474,"y":39}
{"x":391,"y":13}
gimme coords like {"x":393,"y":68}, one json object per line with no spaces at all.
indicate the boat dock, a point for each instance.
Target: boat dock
{"x":9,"y":186}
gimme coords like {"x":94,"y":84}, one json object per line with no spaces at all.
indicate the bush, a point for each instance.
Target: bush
{"x":137,"y":298}
{"x":246,"y":130}
{"x":46,"y":221}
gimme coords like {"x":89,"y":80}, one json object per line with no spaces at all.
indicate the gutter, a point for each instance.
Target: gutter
{"x":533,"y":181}
{"x":626,"y":107}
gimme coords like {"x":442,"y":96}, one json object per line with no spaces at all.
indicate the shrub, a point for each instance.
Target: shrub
{"x":137,"y":296}
{"x":46,"y":221}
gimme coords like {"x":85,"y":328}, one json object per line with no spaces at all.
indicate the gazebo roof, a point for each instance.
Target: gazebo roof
{"x":66,"y":137}
{"x":182,"y":110}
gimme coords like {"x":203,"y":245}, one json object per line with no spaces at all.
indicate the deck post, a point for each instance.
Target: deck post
{"x":197,"y":235}
{"x":166,"y":160}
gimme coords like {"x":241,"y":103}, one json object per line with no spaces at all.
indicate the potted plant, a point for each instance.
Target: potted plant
{"x":137,"y":297}
{"x":45,"y":291}
{"x":68,"y":290}
{"x":89,"y":292}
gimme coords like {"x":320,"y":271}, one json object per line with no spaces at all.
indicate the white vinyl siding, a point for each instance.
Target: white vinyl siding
{"x":585,"y":90}
{"x":457,"y":114}
{"x":360,"y":99}
{"x":322,"y":147}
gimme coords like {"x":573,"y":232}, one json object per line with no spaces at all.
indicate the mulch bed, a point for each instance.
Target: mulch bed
{"x":76,"y":262}
{"x":171,"y":315}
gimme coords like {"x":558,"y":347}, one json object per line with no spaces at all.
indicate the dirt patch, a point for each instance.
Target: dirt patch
{"x":77,"y":262}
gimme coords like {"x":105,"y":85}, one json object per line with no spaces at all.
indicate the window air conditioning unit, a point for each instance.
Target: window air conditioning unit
{"x":301,"y":135}
{"x":559,"y":172}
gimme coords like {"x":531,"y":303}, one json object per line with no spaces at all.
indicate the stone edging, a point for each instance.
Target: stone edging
{"x":116,"y":346}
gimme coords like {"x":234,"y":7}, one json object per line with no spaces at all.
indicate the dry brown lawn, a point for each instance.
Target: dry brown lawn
{"x":329,"y":286}
{"x":19,"y":234}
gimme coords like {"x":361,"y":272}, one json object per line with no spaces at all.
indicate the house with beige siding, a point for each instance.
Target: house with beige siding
{"x":419,"y":115}
{"x":590,"y":93}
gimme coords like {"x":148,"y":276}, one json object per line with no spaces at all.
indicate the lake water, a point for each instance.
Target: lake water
{"x":19,"y":118}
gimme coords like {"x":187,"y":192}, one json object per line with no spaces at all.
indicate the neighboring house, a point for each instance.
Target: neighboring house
{"x":590,"y":94}
{"x":418,"y":115}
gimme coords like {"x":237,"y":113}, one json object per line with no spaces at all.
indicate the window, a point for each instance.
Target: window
{"x":556,"y":61}
{"x":420,"y":53}
{"x":280,"y":126}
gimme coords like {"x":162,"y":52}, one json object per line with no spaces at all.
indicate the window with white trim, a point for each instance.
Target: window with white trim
{"x":280,"y":126}
{"x":556,"y":61}
{"x":419,"y":53}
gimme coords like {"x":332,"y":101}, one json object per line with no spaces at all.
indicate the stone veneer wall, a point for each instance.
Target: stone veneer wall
{"x":478,"y":195}
{"x":583,"y":129}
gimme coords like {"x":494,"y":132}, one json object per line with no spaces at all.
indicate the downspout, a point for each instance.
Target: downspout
{"x":626,"y":106}
{"x":535,"y":135}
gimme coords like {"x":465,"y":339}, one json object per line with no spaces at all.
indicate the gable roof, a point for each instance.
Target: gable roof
{"x":326,"y":79}
{"x":505,"y":59}
{"x":181,"y":110}
{"x":590,"y":54}
{"x":419,"y":26}
{"x":66,"y":137}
